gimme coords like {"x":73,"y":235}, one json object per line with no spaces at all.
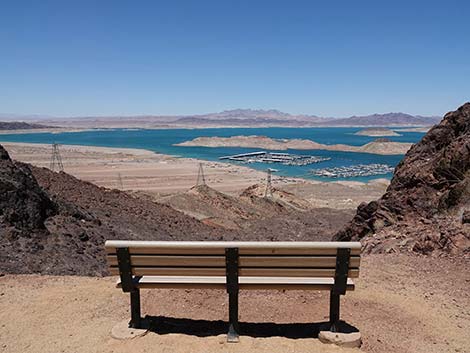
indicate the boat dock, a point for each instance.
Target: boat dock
{"x":275,"y":157}
{"x":359,"y":170}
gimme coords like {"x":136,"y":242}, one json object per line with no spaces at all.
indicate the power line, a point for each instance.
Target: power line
{"x":201,"y":179}
{"x":268,"y":192}
{"x":119,"y":182}
{"x":56,"y":159}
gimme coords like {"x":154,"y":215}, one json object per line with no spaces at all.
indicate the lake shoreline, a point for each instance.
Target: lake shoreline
{"x":109,"y":127}
{"x":140,"y":170}
{"x":359,"y":150}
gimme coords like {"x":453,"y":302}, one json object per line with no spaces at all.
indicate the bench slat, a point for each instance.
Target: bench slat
{"x":221,"y":251}
{"x":244,"y":261}
{"x":150,"y":260}
{"x":245,"y":282}
{"x":201,"y":271}
{"x":232,"y":244}
{"x":294,"y":261}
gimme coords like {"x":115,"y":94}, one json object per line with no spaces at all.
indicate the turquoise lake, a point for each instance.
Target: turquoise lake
{"x":163,"y":141}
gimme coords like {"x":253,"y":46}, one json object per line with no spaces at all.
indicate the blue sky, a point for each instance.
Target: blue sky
{"x":329,"y":58}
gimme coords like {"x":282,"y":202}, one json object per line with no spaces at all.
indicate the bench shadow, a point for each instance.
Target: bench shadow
{"x":205,"y":328}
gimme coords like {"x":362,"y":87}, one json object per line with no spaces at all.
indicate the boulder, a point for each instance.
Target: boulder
{"x":466,"y":217}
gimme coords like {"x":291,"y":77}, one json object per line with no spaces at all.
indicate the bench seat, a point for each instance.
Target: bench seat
{"x":219,"y":282}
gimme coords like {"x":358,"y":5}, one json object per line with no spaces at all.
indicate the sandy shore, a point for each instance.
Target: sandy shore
{"x":376,"y":132}
{"x":52,"y":130}
{"x":160,"y":175}
{"x":415,"y":129}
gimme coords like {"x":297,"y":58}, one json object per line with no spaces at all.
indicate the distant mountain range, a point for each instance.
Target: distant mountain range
{"x":388,"y":119}
{"x":20,"y":125}
{"x":235,"y":118}
{"x":248,"y":117}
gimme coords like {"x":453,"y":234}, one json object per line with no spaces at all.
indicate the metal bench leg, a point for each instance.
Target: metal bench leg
{"x":233,"y":329}
{"x":340,"y":285}
{"x":334,"y":311}
{"x":135,"y":309}
{"x":231,"y":260}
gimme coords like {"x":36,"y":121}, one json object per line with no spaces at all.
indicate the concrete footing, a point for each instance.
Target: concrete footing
{"x":350,"y":340}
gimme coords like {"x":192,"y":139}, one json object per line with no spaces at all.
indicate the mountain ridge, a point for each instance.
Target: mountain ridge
{"x":242,"y":118}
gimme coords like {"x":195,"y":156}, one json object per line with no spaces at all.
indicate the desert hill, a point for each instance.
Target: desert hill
{"x":426,"y":207}
{"x":255,"y":194}
{"x":213,"y":207}
{"x":231,"y":212}
{"x":252,"y":217}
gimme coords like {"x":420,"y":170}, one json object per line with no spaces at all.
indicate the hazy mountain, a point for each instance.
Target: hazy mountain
{"x":271,"y":114}
{"x":388,"y":119}
{"x":23,"y":117}
{"x":236,"y":117}
{"x":20,"y":125}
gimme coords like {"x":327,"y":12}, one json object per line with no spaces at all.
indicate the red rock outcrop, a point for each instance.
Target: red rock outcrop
{"x":425,"y":205}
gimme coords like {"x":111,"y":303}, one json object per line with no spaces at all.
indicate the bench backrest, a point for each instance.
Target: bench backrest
{"x":208,"y":258}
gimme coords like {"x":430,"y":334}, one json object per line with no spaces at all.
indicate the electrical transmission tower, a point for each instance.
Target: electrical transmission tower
{"x":201,"y":179}
{"x":119,"y":182}
{"x":269,"y":189}
{"x":56,"y":159}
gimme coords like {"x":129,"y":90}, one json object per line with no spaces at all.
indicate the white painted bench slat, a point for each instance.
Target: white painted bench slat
{"x":232,"y":244}
{"x":221,"y":251}
{"x":244,"y":282}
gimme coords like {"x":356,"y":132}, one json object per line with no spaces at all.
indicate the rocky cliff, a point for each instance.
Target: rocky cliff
{"x":425,"y":208}
{"x":24,"y":206}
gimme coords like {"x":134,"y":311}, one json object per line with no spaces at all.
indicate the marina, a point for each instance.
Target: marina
{"x":359,"y":170}
{"x":165,"y":141}
{"x":275,"y":157}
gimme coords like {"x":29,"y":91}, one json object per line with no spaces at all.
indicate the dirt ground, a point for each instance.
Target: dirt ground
{"x":401,"y":304}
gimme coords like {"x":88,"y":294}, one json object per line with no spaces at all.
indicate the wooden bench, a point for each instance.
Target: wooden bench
{"x":234,"y":266}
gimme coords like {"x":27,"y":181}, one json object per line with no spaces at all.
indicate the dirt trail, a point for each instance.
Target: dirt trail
{"x":402,"y":304}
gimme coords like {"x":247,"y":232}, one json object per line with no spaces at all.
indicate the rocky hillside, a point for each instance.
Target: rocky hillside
{"x":426,"y":207}
{"x":56,"y":224}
